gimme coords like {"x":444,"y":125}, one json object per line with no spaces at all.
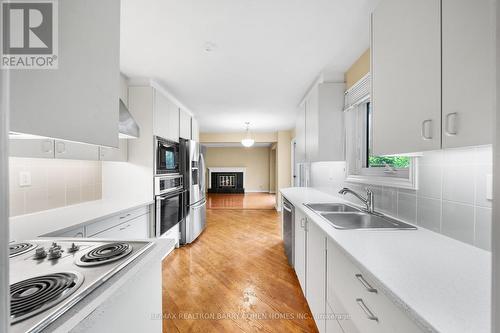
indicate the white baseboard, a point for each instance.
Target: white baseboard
{"x":256,"y":191}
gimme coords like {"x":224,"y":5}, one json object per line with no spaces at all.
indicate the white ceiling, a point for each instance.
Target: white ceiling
{"x":266,"y":54}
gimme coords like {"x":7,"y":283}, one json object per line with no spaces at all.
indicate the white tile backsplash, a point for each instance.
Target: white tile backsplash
{"x":451,"y":195}
{"x":54,"y":183}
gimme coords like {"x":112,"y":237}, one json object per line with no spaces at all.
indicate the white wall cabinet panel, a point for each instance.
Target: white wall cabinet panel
{"x":119,"y":154}
{"x":166,"y":118}
{"x":78,"y":101}
{"x":312,"y":123}
{"x":300,"y":135}
{"x":316,"y":273}
{"x":34,"y":148}
{"x":195,"y":130}
{"x":76,"y":151}
{"x":300,"y":248}
{"x":468,"y":75}
{"x":406,"y":67}
{"x":184,"y":124}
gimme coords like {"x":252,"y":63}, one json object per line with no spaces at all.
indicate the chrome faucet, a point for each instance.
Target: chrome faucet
{"x":368,"y":201}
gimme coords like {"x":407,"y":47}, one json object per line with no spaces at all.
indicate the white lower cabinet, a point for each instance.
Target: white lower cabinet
{"x":358,"y":302}
{"x":332,"y":325}
{"x":316,"y":273}
{"x":300,"y":249}
{"x":137,"y":228}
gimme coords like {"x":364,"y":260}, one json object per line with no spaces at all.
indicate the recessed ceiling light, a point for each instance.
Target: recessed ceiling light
{"x":209,"y":47}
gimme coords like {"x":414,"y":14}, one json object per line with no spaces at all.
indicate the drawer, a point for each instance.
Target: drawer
{"x":137,"y":228}
{"x":332,"y":324}
{"x":369,"y":309}
{"x":102,"y":225}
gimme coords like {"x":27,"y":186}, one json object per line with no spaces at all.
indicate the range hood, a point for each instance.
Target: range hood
{"x":127,"y":126}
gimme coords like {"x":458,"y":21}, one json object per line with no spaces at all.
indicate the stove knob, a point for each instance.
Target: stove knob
{"x":40,"y":253}
{"x":56,"y":246}
{"x":54,"y":253}
{"x":73,"y":248}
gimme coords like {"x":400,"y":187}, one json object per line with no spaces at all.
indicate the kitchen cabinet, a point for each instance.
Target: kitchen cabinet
{"x":325,"y":123}
{"x":119,"y":154}
{"x":184,"y":124}
{"x":352,"y":291}
{"x":34,"y":148}
{"x":195,"y":130}
{"x":406,"y":79}
{"x":98,"y":227}
{"x":300,"y":248}
{"x":432,"y":84}
{"x":136,"y":228}
{"x":78,"y":101}
{"x":332,"y":325}
{"x":300,"y":135}
{"x":316,"y":273}
{"x":76,"y":151}
{"x":468,"y":39}
{"x":165,"y":117}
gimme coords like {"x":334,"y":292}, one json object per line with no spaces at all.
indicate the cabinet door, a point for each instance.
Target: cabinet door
{"x":195,"y":130}
{"x":119,"y":154}
{"x":406,"y":80}
{"x":312,"y":121}
{"x":184,"y":125}
{"x":316,"y":273}
{"x":166,"y":118}
{"x":41,"y":148}
{"x":137,"y":228}
{"x":300,"y":135}
{"x":331,"y":135}
{"x":76,"y":151}
{"x":300,"y":249}
{"x":78,"y":101}
{"x":468,"y":78}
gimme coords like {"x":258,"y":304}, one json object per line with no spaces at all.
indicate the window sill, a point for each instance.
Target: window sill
{"x":410,"y":184}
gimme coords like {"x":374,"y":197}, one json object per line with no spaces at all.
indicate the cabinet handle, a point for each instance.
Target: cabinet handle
{"x":122,"y":217}
{"x":365,"y":283}
{"x":79,"y":234}
{"x":61,"y":147}
{"x":47,"y":146}
{"x":451,"y":124}
{"x":302,"y":223}
{"x":427,"y":129}
{"x":368,"y":312}
{"x":125,"y":227}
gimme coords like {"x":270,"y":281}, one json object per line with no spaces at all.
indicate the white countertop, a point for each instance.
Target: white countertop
{"x":40,"y":223}
{"x":441,"y":283}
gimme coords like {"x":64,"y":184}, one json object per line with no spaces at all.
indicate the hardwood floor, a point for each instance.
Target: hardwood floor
{"x":234,"y":278}
{"x":241,"y":201}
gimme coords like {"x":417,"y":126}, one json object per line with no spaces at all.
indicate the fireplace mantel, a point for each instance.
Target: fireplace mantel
{"x":226,"y":169}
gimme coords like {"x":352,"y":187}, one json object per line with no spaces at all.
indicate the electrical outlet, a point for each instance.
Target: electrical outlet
{"x":489,"y":187}
{"x":24,"y":178}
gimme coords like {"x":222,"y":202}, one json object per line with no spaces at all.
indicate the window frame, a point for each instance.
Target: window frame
{"x":399,"y":177}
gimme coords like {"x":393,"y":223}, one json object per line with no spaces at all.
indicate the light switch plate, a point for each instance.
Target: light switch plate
{"x":24,"y":178}
{"x":489,"y":187}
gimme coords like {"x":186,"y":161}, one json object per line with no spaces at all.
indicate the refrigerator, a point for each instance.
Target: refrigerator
{"x":194,"y":174}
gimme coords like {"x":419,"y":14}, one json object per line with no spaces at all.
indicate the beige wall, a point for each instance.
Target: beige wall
{"x":272,"y":170}
{"x":236,"y":137}
{"x":359,"y":69}
{"x":54,"y":183}
{"x":256,"y":160}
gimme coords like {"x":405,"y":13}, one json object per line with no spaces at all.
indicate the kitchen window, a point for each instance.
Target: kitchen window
{"x":362,"y":166}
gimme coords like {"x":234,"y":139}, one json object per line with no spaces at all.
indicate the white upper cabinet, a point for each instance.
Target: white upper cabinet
{"x":34,"y":148}
{"x":195,"y":130}
{"x":300,"y":135}
{"x":184,"y":124}
{"x":79,"y":100}
{"x":119,"y":154}
{"x":76,"y":151}
{"x":325,"y":123}
{"x":406,"y":76}
{"x":165,"y":117}
{"x":468,"y":72}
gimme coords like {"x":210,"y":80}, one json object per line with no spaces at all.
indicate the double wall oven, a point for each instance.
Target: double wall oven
{"x":170,"y":202}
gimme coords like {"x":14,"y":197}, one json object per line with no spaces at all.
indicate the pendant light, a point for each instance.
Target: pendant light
{"x":247,"y":141}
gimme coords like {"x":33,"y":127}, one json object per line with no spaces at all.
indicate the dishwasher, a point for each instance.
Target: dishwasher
{"x":289,"y":230}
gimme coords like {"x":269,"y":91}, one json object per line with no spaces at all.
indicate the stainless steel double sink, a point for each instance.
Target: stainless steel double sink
{"x":342,"y":216}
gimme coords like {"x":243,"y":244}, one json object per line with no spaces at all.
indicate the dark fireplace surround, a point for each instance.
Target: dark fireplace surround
{"x":226,"y":182}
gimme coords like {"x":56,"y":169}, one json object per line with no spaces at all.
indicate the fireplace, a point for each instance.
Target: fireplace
{"x":226,"y":180}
